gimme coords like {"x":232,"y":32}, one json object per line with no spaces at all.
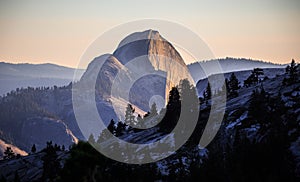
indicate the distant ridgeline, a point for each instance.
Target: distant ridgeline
{"x":14,"y":76}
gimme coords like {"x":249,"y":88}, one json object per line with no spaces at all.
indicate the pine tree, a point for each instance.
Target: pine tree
{"x":129,"y":117}
{"x":153,"y":110}
{"x":188,"y":95}
{"x":207,"y":93}
{"x":258,"y":109}
{"x":103,"y":136}
{"x":172,"y":112}
{"x":56,"y":147}
{"x":174,"y":99}
{"x":254,"y":78}
{"x":120,"y":129}
{"x":91,"y":139}
{"x":51,"y":165}
{"x":33,"y":149}
{"x":257,"y":72}
{"x":189,"y":111}
{"x":233,"y":85}
{"x":293,"y":70}
{"x":8,"y":153}
{"x":111,"y":127}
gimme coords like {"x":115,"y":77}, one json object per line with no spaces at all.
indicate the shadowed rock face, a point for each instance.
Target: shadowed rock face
{"x":103,"y":69}
{"x":39,"y":130}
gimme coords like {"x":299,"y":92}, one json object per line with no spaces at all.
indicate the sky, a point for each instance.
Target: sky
{"x":55,"y":31}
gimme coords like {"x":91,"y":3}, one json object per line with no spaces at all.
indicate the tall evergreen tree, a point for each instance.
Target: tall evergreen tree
{"x":91,"y":139}
{"x":293,"y":70}
{"x":51,"y":165}
{"x":174,"y":99}
{"x":129,"y":117}
{"x":188,"y":95}
{"x":9,"y":153}
{"x":257,"y":73}
{"x":120,"y":129}
{"x":233,"y":85}
{"x":207,"y":93}
{"x":226,"y":85}
{"x":111,"y":126}
{"x":33,"y":148}
{"x":258,"y":108}
{"x":254,"y":78}
{"x":172,"y":112}
{"x":153,"y":109}
{"x":189,"y":111}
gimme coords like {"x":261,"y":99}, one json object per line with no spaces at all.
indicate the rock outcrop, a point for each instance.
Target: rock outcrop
{"x":143,"y":65}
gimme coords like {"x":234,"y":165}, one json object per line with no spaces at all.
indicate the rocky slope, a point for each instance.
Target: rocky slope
{"x":4,"y":145}
{"x":239,"y":131}
{"x":228,"y":65}
{"x":241,"y":76}
{"x":40,"y":115}
{"x":28,"y":168}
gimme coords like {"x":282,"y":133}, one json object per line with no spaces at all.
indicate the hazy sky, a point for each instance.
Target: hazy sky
{"x":58,"y":31}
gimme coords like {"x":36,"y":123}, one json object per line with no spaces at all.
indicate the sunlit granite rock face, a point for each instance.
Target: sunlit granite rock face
{"x":149,"y":46}
{"x":143,"y":65}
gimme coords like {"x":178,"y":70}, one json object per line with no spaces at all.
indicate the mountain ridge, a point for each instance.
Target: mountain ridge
{"x":229,"y":64}
{"x":13,"y":76}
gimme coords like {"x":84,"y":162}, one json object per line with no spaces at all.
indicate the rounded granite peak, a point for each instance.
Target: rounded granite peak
{"x":143,"y":35}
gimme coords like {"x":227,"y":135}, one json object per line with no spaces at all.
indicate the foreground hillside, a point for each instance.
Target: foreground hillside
{"x":258,"y":140}
{"x":43,"y":114}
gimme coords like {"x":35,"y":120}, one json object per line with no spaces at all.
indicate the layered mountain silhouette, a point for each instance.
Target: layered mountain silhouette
{"x":14,"y":76}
